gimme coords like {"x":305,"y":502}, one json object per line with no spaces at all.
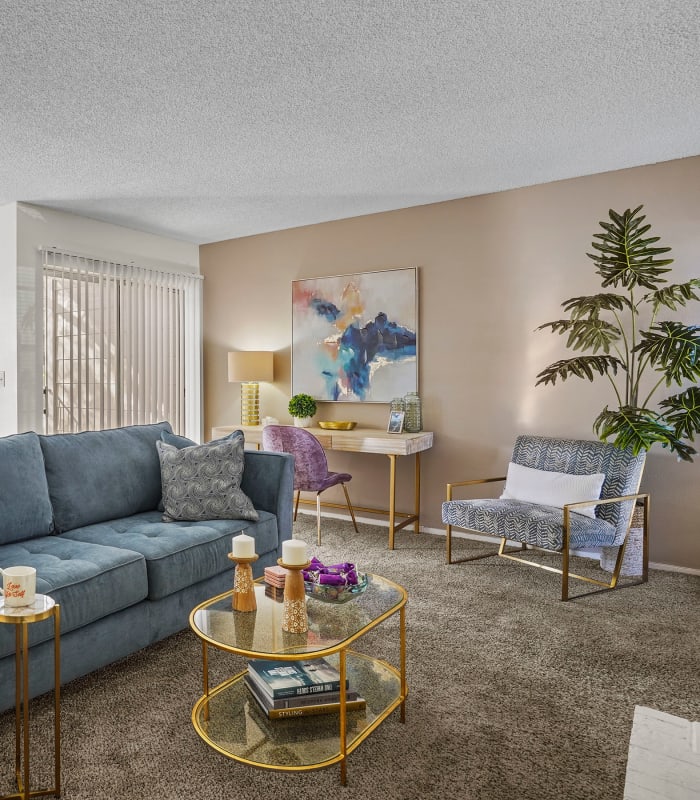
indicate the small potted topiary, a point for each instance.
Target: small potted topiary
{"x":302,"y":407}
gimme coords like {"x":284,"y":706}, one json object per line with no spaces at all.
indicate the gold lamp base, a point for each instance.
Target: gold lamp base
{"x":250,"y":403}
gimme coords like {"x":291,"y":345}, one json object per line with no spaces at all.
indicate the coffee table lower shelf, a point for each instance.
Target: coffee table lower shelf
{"x":230,"y":720}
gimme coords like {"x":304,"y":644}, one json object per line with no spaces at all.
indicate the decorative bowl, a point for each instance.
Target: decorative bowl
{"x":336,"y":594}
{"x":333,"y":425}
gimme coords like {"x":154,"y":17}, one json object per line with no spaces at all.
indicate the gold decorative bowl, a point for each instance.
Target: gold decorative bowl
{"x":334,"y":425}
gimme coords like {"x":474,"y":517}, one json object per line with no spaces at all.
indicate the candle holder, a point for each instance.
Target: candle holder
{"x":243,"y":586}
{"x":294,"y":618}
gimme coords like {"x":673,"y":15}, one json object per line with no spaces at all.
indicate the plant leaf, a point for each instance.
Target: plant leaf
{"x":586,"y":334}
{"x":626,"y":258}
{"x":682,"y":411}
{"x":580,"y":367}
{"x":558,"y":326}
{"x":674,"y":295}
{"x":639,"y":429}
{"x":592,"y":305}
{"x":673,"y":349}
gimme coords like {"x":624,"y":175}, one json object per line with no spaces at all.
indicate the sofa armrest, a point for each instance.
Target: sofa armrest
{"x":268,"y":479}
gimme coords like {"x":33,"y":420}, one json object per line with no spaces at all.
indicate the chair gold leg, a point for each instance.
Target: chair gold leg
{"x":350,"y":508}
{"x":645,"y":540}
{"x":500,"y":552}
{"x":318,"y":518}
{"x":296,"y":505}
{"x":565,"y":559}
{"x":618,"y":562}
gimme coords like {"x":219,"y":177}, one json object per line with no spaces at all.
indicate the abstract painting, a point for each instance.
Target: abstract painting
{"x":354,"y":337}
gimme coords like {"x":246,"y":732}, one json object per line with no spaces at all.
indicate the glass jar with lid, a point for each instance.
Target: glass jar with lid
{"x":397,"y":404}
{"x":413,"y":421}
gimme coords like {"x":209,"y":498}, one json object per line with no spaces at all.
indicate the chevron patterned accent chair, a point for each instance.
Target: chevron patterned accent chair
{"x":560,"y":495}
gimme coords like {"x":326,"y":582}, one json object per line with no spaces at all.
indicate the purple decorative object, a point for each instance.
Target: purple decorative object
{"x":311,"y":472}
{"x":343,"y":574}
{"x":329,"y":593}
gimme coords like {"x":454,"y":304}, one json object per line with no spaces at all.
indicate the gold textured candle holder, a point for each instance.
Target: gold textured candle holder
{"x":294,"y":618}
{"x":243,"y":586}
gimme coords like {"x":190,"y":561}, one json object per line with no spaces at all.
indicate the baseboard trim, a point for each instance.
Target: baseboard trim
{"x":480,"y":538}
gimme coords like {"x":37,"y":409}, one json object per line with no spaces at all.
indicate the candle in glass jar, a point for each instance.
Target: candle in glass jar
{"x":294,"y":552}
{"x":243,"y":546}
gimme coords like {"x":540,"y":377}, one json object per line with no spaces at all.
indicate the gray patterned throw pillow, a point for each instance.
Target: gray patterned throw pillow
{"x":204,"y":482}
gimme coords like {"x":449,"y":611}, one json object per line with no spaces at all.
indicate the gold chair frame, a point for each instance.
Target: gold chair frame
{"x":564,"y":571}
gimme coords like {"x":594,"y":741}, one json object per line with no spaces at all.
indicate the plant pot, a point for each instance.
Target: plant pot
{"x":632,"y":562}
{"x":302,"y":422}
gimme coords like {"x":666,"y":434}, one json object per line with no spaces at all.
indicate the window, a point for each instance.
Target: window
{"x":121,"y":347}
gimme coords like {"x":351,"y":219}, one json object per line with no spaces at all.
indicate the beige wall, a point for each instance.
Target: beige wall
{"x":492,"y":268}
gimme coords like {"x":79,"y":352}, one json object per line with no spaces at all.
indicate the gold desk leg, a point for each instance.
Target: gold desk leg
{"x":392,"y":499}
{"x":416,"y":489}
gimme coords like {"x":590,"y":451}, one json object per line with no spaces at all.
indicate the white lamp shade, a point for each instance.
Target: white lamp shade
{"x":250,"y":365}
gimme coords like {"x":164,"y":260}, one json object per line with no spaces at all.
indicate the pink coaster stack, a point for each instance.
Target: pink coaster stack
{"x":274,"y":576}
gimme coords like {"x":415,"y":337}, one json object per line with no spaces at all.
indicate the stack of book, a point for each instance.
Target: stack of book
{"x":298,"y":688}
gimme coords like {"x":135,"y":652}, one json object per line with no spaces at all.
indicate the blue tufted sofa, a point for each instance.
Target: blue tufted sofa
{"x":83,"y":509}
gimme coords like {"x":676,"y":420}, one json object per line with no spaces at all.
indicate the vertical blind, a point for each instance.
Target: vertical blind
{"x":122,"y":345}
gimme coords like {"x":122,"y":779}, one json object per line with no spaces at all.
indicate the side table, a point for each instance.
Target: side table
{"x":22,"y":617}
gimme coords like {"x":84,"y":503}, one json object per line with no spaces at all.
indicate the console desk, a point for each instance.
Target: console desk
{"x":364,"y":440}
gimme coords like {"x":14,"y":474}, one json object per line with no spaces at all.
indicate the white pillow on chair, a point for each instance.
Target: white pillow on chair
{"x":552,"y":488}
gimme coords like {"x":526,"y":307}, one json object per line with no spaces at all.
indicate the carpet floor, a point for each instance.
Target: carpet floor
{"x":512,"y":694}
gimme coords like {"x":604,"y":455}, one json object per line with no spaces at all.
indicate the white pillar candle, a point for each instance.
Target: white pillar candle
{"x":294,"y":552}
{"x":243,"y":546}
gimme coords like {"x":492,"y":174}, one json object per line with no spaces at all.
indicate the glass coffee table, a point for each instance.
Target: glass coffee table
{"x":229,"y":719}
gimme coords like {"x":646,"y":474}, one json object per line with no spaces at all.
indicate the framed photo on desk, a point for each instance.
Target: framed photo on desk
{"x":395,"y":422}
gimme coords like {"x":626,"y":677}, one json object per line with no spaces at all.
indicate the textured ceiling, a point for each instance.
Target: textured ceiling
{"x":211,"y":120}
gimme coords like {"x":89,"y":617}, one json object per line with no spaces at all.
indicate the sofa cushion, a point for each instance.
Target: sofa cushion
{"x":25,"y":508}
{"x":179,"y":554}
{"x":90,"y":581}
{"x":204,"y":482}
{"x":100,"y":475}
{"x":182,"y":441}
{"x":177,"y":441}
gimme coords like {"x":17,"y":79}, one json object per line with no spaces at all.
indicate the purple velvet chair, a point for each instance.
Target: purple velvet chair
{"x":310,"y":466}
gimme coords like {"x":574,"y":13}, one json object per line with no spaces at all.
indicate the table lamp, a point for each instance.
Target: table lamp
{"x":249,"y":367}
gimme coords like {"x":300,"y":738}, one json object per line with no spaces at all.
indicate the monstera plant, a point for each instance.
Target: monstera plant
{"x":632,"y":344}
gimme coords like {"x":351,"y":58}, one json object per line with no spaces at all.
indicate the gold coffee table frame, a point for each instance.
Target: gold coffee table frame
{"x":229,"y":719}
{"x":22,"y":617}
